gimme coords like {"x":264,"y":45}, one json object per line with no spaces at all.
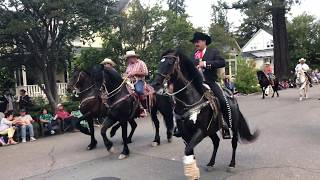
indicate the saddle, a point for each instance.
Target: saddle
{"x":215,"y":105}
{"x":148,"y":94}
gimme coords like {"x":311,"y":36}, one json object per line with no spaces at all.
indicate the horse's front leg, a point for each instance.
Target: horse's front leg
{"x":274,"y":91}
{"x":133,"y":125}
{"x":191,"y":169}
{"x":107,"y":123}
{"x":155,"y":120}
{"x":94,"y":142}
{"x":82,"y":129}
{"x":263,"y":92}
{"x":125,"y":152}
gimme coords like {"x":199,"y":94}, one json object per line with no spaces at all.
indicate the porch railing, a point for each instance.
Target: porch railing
{"x":35,"y":90}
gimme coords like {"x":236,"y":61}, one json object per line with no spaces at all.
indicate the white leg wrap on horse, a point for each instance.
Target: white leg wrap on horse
{"x":191,"y":170}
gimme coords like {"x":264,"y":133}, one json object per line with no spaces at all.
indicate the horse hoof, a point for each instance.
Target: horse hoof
{"x":209,"y":168}
{"x":129,"y":141}
{"x":230,"y":169}
{"x":169,"y":140}
{"x":122,"y":156}
{"x":91,"y":147}
{"x":112,"y":150}
{"x":154,"y":144}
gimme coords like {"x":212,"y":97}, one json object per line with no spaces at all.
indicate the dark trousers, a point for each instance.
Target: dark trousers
{"x":70,"y":122}
{"x":224,"y":105}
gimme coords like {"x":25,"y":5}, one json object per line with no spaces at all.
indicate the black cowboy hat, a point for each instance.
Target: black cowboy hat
{"x":201,"y":36}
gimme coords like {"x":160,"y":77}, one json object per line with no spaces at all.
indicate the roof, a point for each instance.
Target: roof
{"x":261,"y":40}
{"x":122,"y":4}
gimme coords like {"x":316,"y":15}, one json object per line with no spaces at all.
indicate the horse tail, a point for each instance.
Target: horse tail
{"x":244,"y":130}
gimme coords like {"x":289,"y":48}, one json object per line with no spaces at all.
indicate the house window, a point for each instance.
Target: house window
{"x":231,"y":67}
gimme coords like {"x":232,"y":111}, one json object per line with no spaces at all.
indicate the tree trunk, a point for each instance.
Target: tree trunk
{"x":49,"y":80}
{"x":280,"y":38}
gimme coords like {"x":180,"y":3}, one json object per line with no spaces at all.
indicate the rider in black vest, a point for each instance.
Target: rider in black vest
{"x":208,"y":61}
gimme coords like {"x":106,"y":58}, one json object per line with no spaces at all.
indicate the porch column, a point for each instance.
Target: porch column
{"x":24,"y":76}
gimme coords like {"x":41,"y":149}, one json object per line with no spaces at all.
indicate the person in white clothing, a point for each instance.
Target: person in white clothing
{"x":305,"y":68}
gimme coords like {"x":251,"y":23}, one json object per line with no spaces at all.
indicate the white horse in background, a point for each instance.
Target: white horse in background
{"x":303,"y":84}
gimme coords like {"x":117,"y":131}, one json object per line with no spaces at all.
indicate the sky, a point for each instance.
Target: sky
{"x":200,"y":11}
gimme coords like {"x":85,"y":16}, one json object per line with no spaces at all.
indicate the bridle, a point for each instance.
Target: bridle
{"x":187,"y":83}
{"x":78,"y":80}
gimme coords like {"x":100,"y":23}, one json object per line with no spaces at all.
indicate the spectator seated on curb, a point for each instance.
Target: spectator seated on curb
{"x":26,"y":123}
{"x":229,"y":85}
{"x":47,"y":120}
{"x":69,"y":121}
{"x":78,"y":115}
{"x":7,"y":128}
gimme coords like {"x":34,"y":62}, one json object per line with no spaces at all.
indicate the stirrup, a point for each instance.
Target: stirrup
{"x":226,"y":133}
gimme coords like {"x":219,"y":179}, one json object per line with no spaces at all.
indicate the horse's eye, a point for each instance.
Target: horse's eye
{"x":171,"y":61}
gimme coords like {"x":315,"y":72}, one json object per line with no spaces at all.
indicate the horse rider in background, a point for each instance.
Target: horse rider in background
{"x":305,"y":68}
{"x":269,"y":72}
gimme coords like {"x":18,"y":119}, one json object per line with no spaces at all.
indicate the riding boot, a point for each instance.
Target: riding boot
{"x":225,"y":130}
{"x":143,"y":107}
{"x":178,"y":129}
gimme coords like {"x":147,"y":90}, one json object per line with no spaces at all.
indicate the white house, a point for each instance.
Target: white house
{"x":259,"y":48}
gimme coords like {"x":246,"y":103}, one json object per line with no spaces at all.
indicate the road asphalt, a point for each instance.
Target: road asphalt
{"x":288,"y":149}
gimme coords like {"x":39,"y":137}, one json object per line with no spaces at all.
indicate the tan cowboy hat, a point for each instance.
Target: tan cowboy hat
{"x":267,"y":63}
{"x":108,"y":61}
{"x":131,"y":54}
{"x":302,"y":59}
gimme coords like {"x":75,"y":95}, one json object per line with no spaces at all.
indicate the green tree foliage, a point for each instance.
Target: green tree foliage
{"x":304,"y":40}
{"x":149,"y":31}
{"x":256,"y":17}
{"x":278,"y":9}
{"x":88,"y":58}
{"x":177,"y":6}
{"x":220,"y":30}
{"x":38,"y":32}
{"x":173,"y":32}
{"x":246,"y":79}
{"x":7,"y":81}
{"x":131,"y":31}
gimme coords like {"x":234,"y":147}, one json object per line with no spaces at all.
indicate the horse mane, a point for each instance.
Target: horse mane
{"x":114,"y":74}
{"x":188,"y":67}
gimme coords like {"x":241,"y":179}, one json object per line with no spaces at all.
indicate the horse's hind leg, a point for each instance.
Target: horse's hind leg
{"x":125,"y":152}
{"x":156,"y":123}
{"x":234,"y":143}
{"x":133,"y":125}
{"x":107,"y":123}
{"x":215,"y":141}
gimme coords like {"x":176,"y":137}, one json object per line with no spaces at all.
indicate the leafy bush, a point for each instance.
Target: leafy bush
{"x":6,"y":82}
{"x":246,"y":79}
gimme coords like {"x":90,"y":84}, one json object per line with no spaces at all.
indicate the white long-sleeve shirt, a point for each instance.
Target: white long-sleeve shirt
{"x":303,"y":67}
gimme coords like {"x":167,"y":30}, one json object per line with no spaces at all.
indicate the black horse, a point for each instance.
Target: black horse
{"x":200,"y":118}
{"x":91,"y":105}
{"x":265,"y":83}
{"x":123,"y":106}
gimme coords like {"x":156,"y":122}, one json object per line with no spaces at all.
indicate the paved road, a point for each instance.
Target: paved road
{"x":288,"y":148}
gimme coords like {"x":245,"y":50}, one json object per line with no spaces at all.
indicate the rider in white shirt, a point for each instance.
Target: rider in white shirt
{"x":304,"y":67}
